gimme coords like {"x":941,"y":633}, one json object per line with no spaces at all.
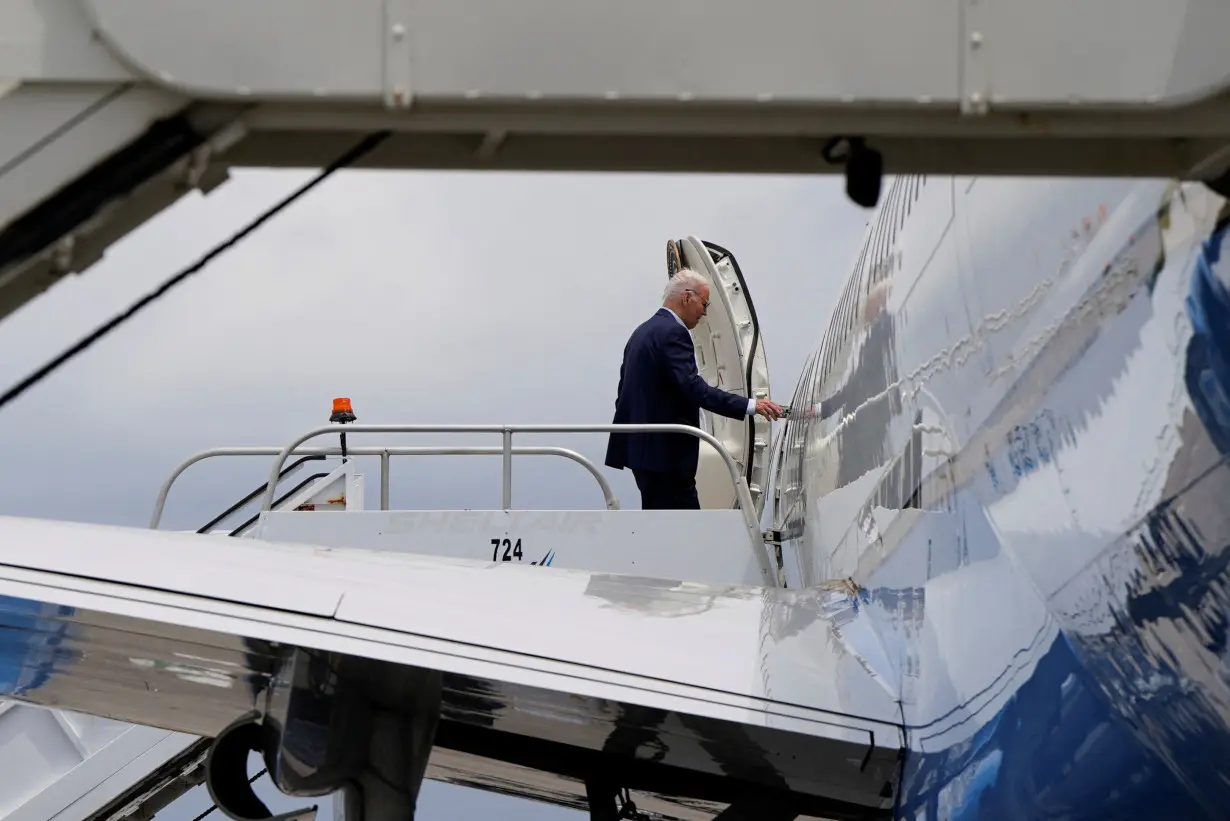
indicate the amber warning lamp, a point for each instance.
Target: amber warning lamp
{"x":342,"y":413}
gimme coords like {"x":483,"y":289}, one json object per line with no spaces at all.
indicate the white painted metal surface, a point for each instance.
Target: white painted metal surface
{"x":341,"y":491}
{"x":727,"y":340}
{"x":123,"y":106}
{"x":710,"y":546}
{"x":563,"y":651}
{"x":400,"y":51}
{"x":447,"y":614}
{"x":65,"y":766}
{"x":51,"y":137}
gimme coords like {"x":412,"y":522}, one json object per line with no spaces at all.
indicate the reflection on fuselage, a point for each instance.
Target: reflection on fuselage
{"x":1013,"y":438}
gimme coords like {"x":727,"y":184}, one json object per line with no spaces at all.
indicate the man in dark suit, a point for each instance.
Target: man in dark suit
{"x":659,"y":383}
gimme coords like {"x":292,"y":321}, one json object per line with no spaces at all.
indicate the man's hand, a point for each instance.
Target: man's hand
{"x":768,"y":409}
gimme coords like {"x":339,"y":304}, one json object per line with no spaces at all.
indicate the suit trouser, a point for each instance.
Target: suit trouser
{"x":666,"y":491}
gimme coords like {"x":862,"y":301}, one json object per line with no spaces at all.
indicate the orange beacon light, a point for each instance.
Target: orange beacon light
{"x":342,"y":413}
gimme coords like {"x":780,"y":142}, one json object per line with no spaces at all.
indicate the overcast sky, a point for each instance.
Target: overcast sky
{"x":423,"y":297}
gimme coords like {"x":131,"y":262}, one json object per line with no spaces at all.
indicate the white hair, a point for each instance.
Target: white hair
{"x":876,"y":301}
{"x":685,"y":279}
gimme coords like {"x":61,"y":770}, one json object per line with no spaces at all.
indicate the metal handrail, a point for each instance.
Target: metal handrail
{"x":612,"y":502}
{"x":255,"y":517}
{"x":742,"y":494}
{"x":247,"y":499}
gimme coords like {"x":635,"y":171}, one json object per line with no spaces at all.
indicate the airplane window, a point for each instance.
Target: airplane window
{"x":837,"y":327}
{"x":826,"y":355}
{"x":790,"y":472}
{"x":843,"y":329}
{"x":886,"y":239}
{"x":903,"y":203}
{"x":833,"y":337}
{"x":845,"y":314}
{"x":854,"y":298}
{"x":834,"y":331}
{"x":829,"y":347}
{"x":877,"y":259}
{"x":890,"y":220}
{"x":887,"y":231}
{"x":851,"y":306}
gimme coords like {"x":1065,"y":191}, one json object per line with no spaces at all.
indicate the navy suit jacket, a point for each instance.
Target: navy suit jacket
{"x":660,"y":384}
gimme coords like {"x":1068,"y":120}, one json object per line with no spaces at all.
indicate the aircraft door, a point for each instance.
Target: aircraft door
{"x":730,"y":355}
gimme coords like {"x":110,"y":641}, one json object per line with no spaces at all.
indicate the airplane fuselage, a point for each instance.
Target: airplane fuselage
{"x":1021,"y":461}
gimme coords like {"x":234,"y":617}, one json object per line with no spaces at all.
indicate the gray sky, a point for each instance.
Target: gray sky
{"x":423,"y":297}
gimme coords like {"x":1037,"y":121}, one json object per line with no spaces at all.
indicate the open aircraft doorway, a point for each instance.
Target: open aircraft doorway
{"x":730,"y":355}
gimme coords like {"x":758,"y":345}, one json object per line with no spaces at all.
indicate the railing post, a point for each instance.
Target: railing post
{"x":384,"y":479}
{"x":506,"y":483}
